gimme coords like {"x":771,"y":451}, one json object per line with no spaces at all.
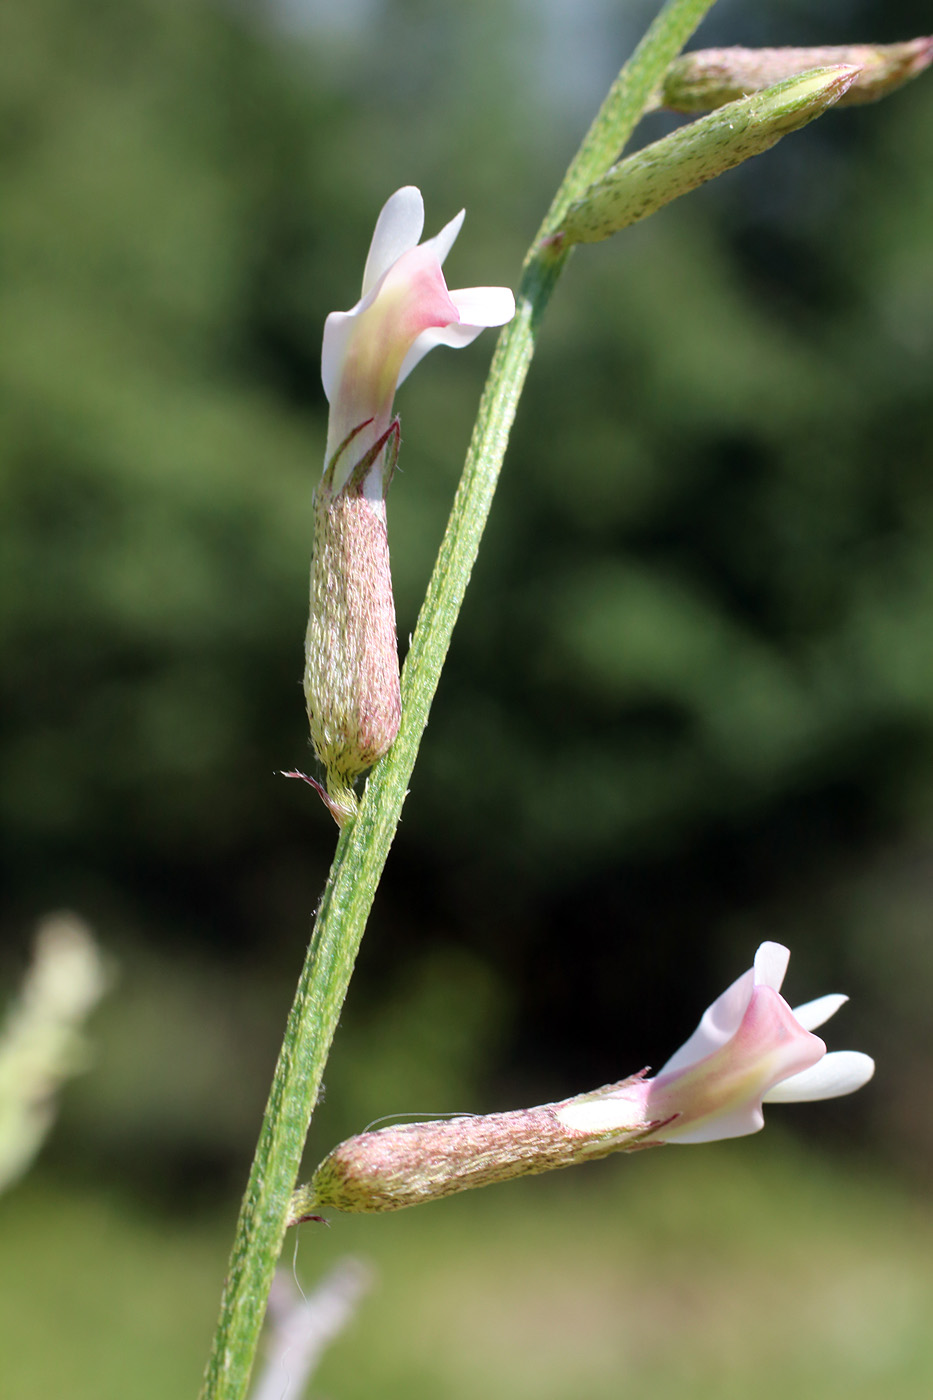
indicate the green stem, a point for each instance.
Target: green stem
{"x":363,"y":846}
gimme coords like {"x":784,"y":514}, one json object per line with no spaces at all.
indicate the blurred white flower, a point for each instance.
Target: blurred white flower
{"x":41,"y":1044}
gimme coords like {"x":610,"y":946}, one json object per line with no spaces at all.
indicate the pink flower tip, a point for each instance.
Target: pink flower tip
{"x":405,"y":309}
{"x":749,"y":1049}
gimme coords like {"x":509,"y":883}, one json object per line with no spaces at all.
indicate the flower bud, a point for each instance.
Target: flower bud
{"x":643,"y":183}
{"x":704,"y":79}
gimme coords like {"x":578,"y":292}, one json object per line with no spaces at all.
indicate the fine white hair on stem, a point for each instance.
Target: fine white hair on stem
{"x":301,"y":1327}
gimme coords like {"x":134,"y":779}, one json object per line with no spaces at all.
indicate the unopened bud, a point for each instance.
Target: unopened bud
{"x":661,"y":172}
{"x":351,"y":678}
{"x":708,"y":78}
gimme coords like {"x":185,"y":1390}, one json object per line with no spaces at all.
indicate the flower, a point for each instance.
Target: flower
{"x":404,"y":311}
{"x":351,"y":676}
{"x":749,"y":1049}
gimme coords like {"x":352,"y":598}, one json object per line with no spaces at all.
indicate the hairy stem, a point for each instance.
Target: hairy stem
{"x":363,"y":845}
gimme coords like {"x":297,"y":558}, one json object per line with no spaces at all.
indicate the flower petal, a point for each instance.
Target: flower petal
{"x":338,"y":332}
{"x":484,"y":306}
{"x":727,"y":1085}
{"x":442,"y":242}
{"x":719,"y":1023}
{"x":746,"y":1119}
{"x":454,"y":335}
{"x":840,"y":1072}
{"x":479,"y":307}
{"x":397,"y":230}
{"x":817,"y":1012}
{"x":771,"y":962}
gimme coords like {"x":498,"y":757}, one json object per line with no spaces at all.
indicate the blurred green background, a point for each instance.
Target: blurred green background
{"x":689,"y":702}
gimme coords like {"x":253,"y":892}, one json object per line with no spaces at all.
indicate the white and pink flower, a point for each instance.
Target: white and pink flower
{"x":404,"y":311}
{"x":351,"y":679}
{"x":749,"y":1049}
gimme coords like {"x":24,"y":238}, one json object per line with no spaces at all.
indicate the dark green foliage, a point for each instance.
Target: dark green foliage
{"x":693,"y":683}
